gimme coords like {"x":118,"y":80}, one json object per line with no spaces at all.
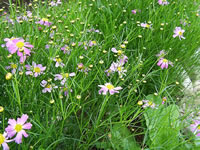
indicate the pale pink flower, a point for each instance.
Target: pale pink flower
{"x":148,"y":103}
{"x":145,"y":25}
{"x":163,"y":2}
{"x":179,"y":32}
{"x":4,"y":140}
{"x":164,"y":99}
{"x":66,"y":49}
{"x":164,"y":63}
{"x":134,"y":11}
{"x":18,"y":127}
{"x":13,"y":67}
{"x":123,"y":59}
{"x":119,"y":52}
{"x":44,"y":21}
{"x":63,"y":77}
{"x":108,"y":87}
{"x":35,"y":69}
{"x":20,"y":46}
{"x":48,"y":87}
{"x":58,"y":62}
{"x":162,"y":53}
{"x":195,"y":127}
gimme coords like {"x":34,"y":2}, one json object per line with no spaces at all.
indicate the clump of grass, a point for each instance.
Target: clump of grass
{"x":79,"y":45}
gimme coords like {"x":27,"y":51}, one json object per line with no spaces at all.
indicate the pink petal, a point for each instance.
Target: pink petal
{"x":27,"y":126}
{"x":18,"y":138}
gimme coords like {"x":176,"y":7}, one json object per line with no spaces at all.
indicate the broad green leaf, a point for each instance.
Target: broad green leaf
{"x":122,"y":139}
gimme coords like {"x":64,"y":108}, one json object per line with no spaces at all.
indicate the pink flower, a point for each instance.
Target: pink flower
{"x":164,"y":63}
{"x":58,"y":62}
{"x":134,"y":11}
{"x":48,"y":87}
{"x":4,"y":140}
{"x":148,"y":103}
{"x":44,"y":21}
{"x":163,"y":2}
{"x":195,"y":127}
{"x":18,"y":127}
{"x":109,"y":87}
{"x":66,"y":49}
{"x":13,"y":67}
{"x":164,"y":99}
{"x":35,"y":69}
{"x":64,"y":77}
{"x":145,"y":25}
{"x":119,"y":52}
{"x":179,"y":32}
{"x":20,"y":46}
{"x":162,"y":53}
{"x":123,"y":59}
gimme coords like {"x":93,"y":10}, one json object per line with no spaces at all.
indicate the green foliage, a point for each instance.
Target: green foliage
{"x":163,"y":125}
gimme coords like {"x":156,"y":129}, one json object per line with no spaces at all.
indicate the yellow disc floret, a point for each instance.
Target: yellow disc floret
{"x":20,"y":44}
{"x":2,"y":139}
{"x":18,"y":127}
{"x":110,"y":86}
{"x":37,"y":70}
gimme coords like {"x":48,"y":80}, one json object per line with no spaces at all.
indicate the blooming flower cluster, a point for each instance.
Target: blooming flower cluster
{"x":16,"y":129}
{"x":119,"y":65}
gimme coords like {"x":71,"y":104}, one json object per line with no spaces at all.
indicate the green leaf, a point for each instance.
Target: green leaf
{"x":163,"y":125}
{"x":121,"y":138}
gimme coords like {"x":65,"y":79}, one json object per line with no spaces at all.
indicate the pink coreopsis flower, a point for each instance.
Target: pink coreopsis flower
{"x":20,"y":46}
{"x":162,"y":53}
{"x":35,"y":69}
{"x":164,"y":99}
{"x":58,"y":62}
{"x":66,"y":49}
{"x":13,"y":67}
{"x":48,"y":87}
{"x":63,"y":77}
{"x":145,"y":25}
{"x":195,"y":127}
{"x":163,"y":2}
{"x":120,"y":69}
{"x":179,"y":32}
{"x":164,"y":63}
{"x":4,"y":140}
{"x":134,"y":11}
{"x":148,"y":103}
{"x":123,"y":59}
{"x":44,"y":21}
{"x":18,"y":127}
{"x":119,"y":52}
{"x":108,"y":87}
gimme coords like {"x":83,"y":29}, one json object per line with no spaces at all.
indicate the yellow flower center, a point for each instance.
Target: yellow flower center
{"x":110,"y":86}
{"x":119,"y":68}
{"x":13,"y":66}
{"x":37,"y":69}
{"x":94,"y":42}
{"x":80,"y":66}
{"x":165,"y":60}
{"x":48,"y":86}
{"x":198,"y":127}
{"x":148,"y":26}
{"x":180,"y":33}
{"x":2,"y":139}
{"x":45,"y":19}
{"x":58,"y":59}
{"x":65,"y":75}
{"x":18,"y":127}
{"x":20,"y":44}
{"x":119,"y":52}
{"x":150,"y":103}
